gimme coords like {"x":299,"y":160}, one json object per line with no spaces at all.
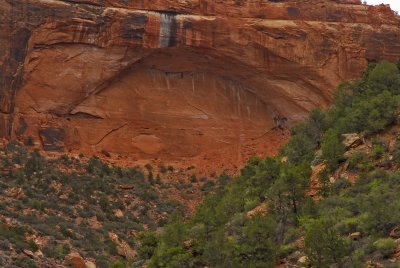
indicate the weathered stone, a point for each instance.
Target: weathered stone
{"x":348,"y":154}
{"x":125,"y":250}
{"x":179,"y":80}
{"x":76,"y":260}
{"x":123,"y":247}
{"x":318,"y":158}
{"x":395,"y":233}
{"x":90,"y":264}
{"x":355,"y":236}
{"x":352,"y":140}
{"x":16,"y":192}
{"x":28,"y":253}
{"x":126,"y":186}
{"x":118,"y":213}
{"x":314,"y":179}
{"x":303,"y":260}
{"x":52,"y":139}
{"x":261,"y":209}
{"x":372,"y":264}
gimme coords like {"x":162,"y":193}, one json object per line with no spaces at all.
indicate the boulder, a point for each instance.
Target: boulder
{"x":123,"y":247}
{"x":125,"y":250}
{"x":355,"y":236}
{"x":90,"y":264}
{"x":118,"y":213}
{"x":352,"y":140}
{"x":372,"y":264}
{"x":261,"y":209}
{"x":15,"y":192}
{"x":303,"y":260}
{"x":395,"y":233}
{"x":76,"y":260}
{"x":126,"y":186}
{"x":28,"y":253}
{"x":317,"y":158}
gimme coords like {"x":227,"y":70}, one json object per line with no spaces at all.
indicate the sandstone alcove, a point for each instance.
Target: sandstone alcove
{"x":179,"y":81}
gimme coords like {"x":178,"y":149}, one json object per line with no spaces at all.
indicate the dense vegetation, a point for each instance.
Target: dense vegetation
{"x":262,"y":216}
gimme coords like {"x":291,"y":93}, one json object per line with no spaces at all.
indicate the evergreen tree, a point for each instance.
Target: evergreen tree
{"x":323,"y":183}
{"x":332,"y":149}
{"x":323,"y":244}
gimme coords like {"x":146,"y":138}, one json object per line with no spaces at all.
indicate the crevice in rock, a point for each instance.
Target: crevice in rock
{"x":35,"y":110}
{"x":198,"y":109}
{"x":105,"y":84}
{"x":85,"y":115}
{"x":109,"y":133}
{"x":80,"y":2}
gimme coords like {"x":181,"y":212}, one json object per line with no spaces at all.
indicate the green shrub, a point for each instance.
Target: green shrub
{"x":193,"y":178}
{"x":35,"y":163}
{"x":4,"y":245}
{"x":33,"y":246}
{"x":102,"y":262}
{"x":385,"y":76}
{"x":358,"y":160}
{"x":24,"y":262}
{"x":158,"y":179}
{"x":396,"y":151}
{"x":112,"y":247}
{"x":349,"y":225}
{"x":385,"y":246}
{"x":29,"y":141}
{"x":286,"y":250}
{"x":207,"y":186}
{"x":323,"y":244}
{"x":118,"y":264}
{"x":324,"y":184}
{"x":96,"y":167}
{"x":163,"y":169}
{"x":332,"y":149}
{"x":150,"y":178}
{"x":148,"y":244}
{"x":339,"y":185}
{"x":377,"y":151}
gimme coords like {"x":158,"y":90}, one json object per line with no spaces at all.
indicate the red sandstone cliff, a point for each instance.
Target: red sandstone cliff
{"x":183,"y":79}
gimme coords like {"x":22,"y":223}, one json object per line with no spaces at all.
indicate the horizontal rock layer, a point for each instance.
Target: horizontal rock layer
{"x":178,"y":80}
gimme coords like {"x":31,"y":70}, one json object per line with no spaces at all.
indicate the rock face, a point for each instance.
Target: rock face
{"x":175,"y":80}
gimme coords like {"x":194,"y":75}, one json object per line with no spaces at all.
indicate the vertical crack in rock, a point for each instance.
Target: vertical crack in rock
{"x":18,"y":50}
{"x":167,"y":29}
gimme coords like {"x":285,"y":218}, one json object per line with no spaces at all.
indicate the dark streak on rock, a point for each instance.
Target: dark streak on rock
{"x":133,"y":27}
{"x":52,"y":139}
{"x":22,"y":127}
{"x":293,"y":11}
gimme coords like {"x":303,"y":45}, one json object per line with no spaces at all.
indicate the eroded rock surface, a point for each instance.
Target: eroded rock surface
{"x":179,"y":80}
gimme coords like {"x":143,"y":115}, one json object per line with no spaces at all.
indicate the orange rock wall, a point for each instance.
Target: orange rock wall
{"x":178,"y":80}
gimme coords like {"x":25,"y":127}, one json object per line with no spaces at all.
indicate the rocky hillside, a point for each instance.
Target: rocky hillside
{"x":66,"y":211}
{"x":220,"y":77}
